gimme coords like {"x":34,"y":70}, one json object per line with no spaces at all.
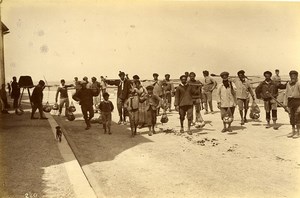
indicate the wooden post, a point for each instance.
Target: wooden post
{"x":2,"y":69}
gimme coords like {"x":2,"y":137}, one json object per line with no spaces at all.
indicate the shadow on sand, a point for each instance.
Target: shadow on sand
{"x":93,"y":145}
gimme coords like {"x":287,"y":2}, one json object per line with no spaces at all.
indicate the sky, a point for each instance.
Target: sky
{"x":67,"y":38}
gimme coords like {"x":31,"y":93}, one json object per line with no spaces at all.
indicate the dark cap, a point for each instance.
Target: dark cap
{"x":136,"y":77}
{"x":267,"y":72}
{"x":167,"y":75}
{"x":293,"y":72}
{"x":276,"y":70}
{"x":205,"y":72}
{"x":224,"y":74}
{"x":121,"y":73}
{"x":150,"y":87}
{"x":41,"y":82}
{"x":182,"y":76}
{"x":155,"y":74}
{"x":192,"y":73}
{"x":105,"y":94}
{"x":241,"y":72}
{"x":58,"y":127}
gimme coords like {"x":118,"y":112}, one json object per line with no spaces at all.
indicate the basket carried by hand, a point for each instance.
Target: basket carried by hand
{"x":72,"y":108}
{"x":55,"y":106}
{"x":254,"y":111}
{"x":47,"y":107}
{"x":164,"y":118}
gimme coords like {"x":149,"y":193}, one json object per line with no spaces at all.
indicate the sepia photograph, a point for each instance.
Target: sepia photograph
{"x":149,"y":99}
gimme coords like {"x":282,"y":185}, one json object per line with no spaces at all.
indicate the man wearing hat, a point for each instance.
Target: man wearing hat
{"x":168,"y":91}
{"x":292,"y":101}
{"x":124,"y":86}
{"x":152,"y":103}
{"x":134,"y":82}
{"x":184,"y":103}
{"x":243,"y":92}
{"x":226,"y":98}
{"x":157,"y":88}
{"x":265,"y":91}
{"x":85,"y":98}
{"x":37,"y":100}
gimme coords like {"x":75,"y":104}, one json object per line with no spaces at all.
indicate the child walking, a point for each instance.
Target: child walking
{"x":132,"y":106}
{"x":152,"y":103}
{"x":106,"y":107}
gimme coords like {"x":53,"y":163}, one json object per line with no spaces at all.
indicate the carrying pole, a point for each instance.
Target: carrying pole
{"x":280,"y":104}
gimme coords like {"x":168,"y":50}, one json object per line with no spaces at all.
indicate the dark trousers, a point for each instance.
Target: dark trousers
{"x":88,"y":113}
{"x":16,"y":102}
{"x":227,"y":110}
{"x":151,"y":117}
{"x":186,"y":111}
{"x":36,"y":106}
{"x":294,"y":106}
{"x":274,"y":115}
{"x":121,"y":109}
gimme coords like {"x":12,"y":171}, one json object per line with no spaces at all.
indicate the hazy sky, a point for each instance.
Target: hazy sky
{"x":63,"y":39}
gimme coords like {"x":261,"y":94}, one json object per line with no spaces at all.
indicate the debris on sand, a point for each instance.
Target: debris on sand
{"x":188,"y":138}
{"x":281,"y":159}
{"x":194,"y":139}
{"x":206,"y":141}
{"x":232,"y":148}
{"x":169,"y":130}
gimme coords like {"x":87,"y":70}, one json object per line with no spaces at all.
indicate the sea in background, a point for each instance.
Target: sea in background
{"x":254,"y":80}
{"x":49,"y":93}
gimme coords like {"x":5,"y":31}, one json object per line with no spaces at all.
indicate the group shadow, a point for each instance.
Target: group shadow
{"x":94,"y":145}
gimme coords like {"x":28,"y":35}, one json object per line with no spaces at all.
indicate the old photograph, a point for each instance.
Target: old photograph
{"x":149,"y":99}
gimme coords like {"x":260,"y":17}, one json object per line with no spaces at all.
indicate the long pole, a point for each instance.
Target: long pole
{"x":2,"y":69}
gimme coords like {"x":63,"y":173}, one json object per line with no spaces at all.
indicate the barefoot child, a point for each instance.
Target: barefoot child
{"x":106,"y":107}
{"x":152,"y":103}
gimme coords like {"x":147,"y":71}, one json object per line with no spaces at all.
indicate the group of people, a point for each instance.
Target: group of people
{"x":143,"y":104}
{"x":238,"y":91}
{"x":13,"y":92}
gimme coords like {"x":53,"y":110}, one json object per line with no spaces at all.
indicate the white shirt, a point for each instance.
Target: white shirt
{"x":225,"y":97}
